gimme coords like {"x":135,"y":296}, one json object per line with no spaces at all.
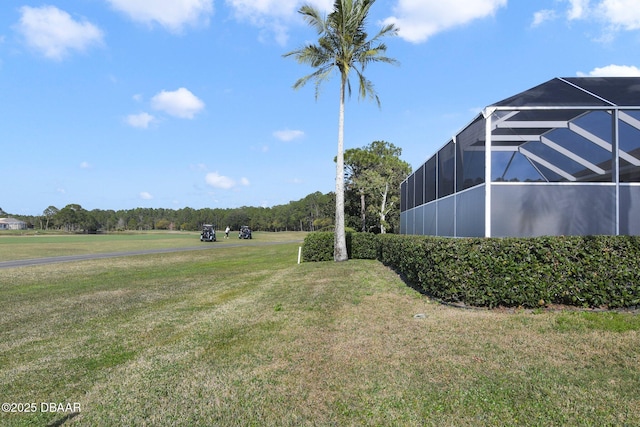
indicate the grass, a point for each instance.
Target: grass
{"x":32,"y":244}
{"x":245,"y":336}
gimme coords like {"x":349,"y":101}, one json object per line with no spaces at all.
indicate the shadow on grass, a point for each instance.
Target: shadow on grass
{"x":416,"y":287}
{"x":63,"y":420}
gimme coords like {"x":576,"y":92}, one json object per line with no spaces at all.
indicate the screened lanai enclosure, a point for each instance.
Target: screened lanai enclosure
{"x":562,"y":158}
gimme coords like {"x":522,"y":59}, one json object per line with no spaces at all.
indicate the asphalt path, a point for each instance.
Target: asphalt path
{"x":84,"y":257}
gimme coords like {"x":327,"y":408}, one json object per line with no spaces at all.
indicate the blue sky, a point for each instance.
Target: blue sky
{"x":118,"y":104}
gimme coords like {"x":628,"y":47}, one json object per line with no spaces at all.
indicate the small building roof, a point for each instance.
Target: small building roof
{"x":10,"y":220}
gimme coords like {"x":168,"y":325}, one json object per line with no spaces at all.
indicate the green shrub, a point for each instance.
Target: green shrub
{"x":591,"y":271}
{"x":362,"y":245}
{"x":318,"y":246}
{"x":584,"y":271}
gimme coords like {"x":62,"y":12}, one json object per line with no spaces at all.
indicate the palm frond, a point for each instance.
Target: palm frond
{"x":344,"y":45}
{"x":319,"y":76}
{"x":313,"y":17}
{"x":366,"y":88}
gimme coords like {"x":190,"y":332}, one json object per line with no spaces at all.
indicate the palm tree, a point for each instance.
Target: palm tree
{"x":342,"y":46}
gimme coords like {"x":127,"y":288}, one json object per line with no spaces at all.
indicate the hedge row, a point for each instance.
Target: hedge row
{"x":586,"y":271}
{"x":318,"y":246}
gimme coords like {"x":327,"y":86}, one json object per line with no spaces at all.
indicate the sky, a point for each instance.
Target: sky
{"x":119,"y":104}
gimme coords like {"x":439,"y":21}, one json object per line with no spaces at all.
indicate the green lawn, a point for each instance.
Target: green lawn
{"x":36,"y":245}
{"x":245,"y":336}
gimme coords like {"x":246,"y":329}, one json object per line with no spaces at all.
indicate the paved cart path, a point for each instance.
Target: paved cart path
{"x":83,"y":257}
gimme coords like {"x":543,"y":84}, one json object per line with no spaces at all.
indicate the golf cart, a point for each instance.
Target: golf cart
{"x":245,"y":233}
{"x":208,"y":233}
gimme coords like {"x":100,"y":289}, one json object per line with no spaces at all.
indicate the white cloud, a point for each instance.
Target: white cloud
{"x":577,"y":9}
{"x":273,"y":17}
{"x":85,"y":165}
{"x":141,"y":120}
{"x":215,"y":180}
{"x":146,"y":196}
{"x":287,"y":135}
{"x":173,"y":15}
{"x":613,"y":71}
{"x":255,"y":10}
{"x":179,"y":103}
{"x":418,"y":20}
{"x":54,"y":33}
{"x":624,"y":14}
{"x":615,"y":15}
{"x":543,"y":16}
{"x":258,"y":9}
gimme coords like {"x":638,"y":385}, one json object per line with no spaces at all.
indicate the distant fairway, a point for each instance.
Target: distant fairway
{"x":23,"y":251}
{"x":32,"y":246}
{"x":243,"y":335}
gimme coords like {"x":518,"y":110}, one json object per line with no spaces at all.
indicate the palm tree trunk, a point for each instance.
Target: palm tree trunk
{"x":340,"y":241}
{"x":363,"y":212}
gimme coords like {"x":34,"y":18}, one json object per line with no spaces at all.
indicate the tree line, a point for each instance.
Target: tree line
{"x":372,"y":193}
{"x":308,"y":214}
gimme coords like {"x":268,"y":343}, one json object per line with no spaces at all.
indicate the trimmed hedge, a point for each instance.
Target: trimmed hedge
{"x":586,"y":271}
{"x":318,"y":246}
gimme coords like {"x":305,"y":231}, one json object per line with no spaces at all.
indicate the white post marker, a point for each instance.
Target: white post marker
{"x":299,"y":253}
